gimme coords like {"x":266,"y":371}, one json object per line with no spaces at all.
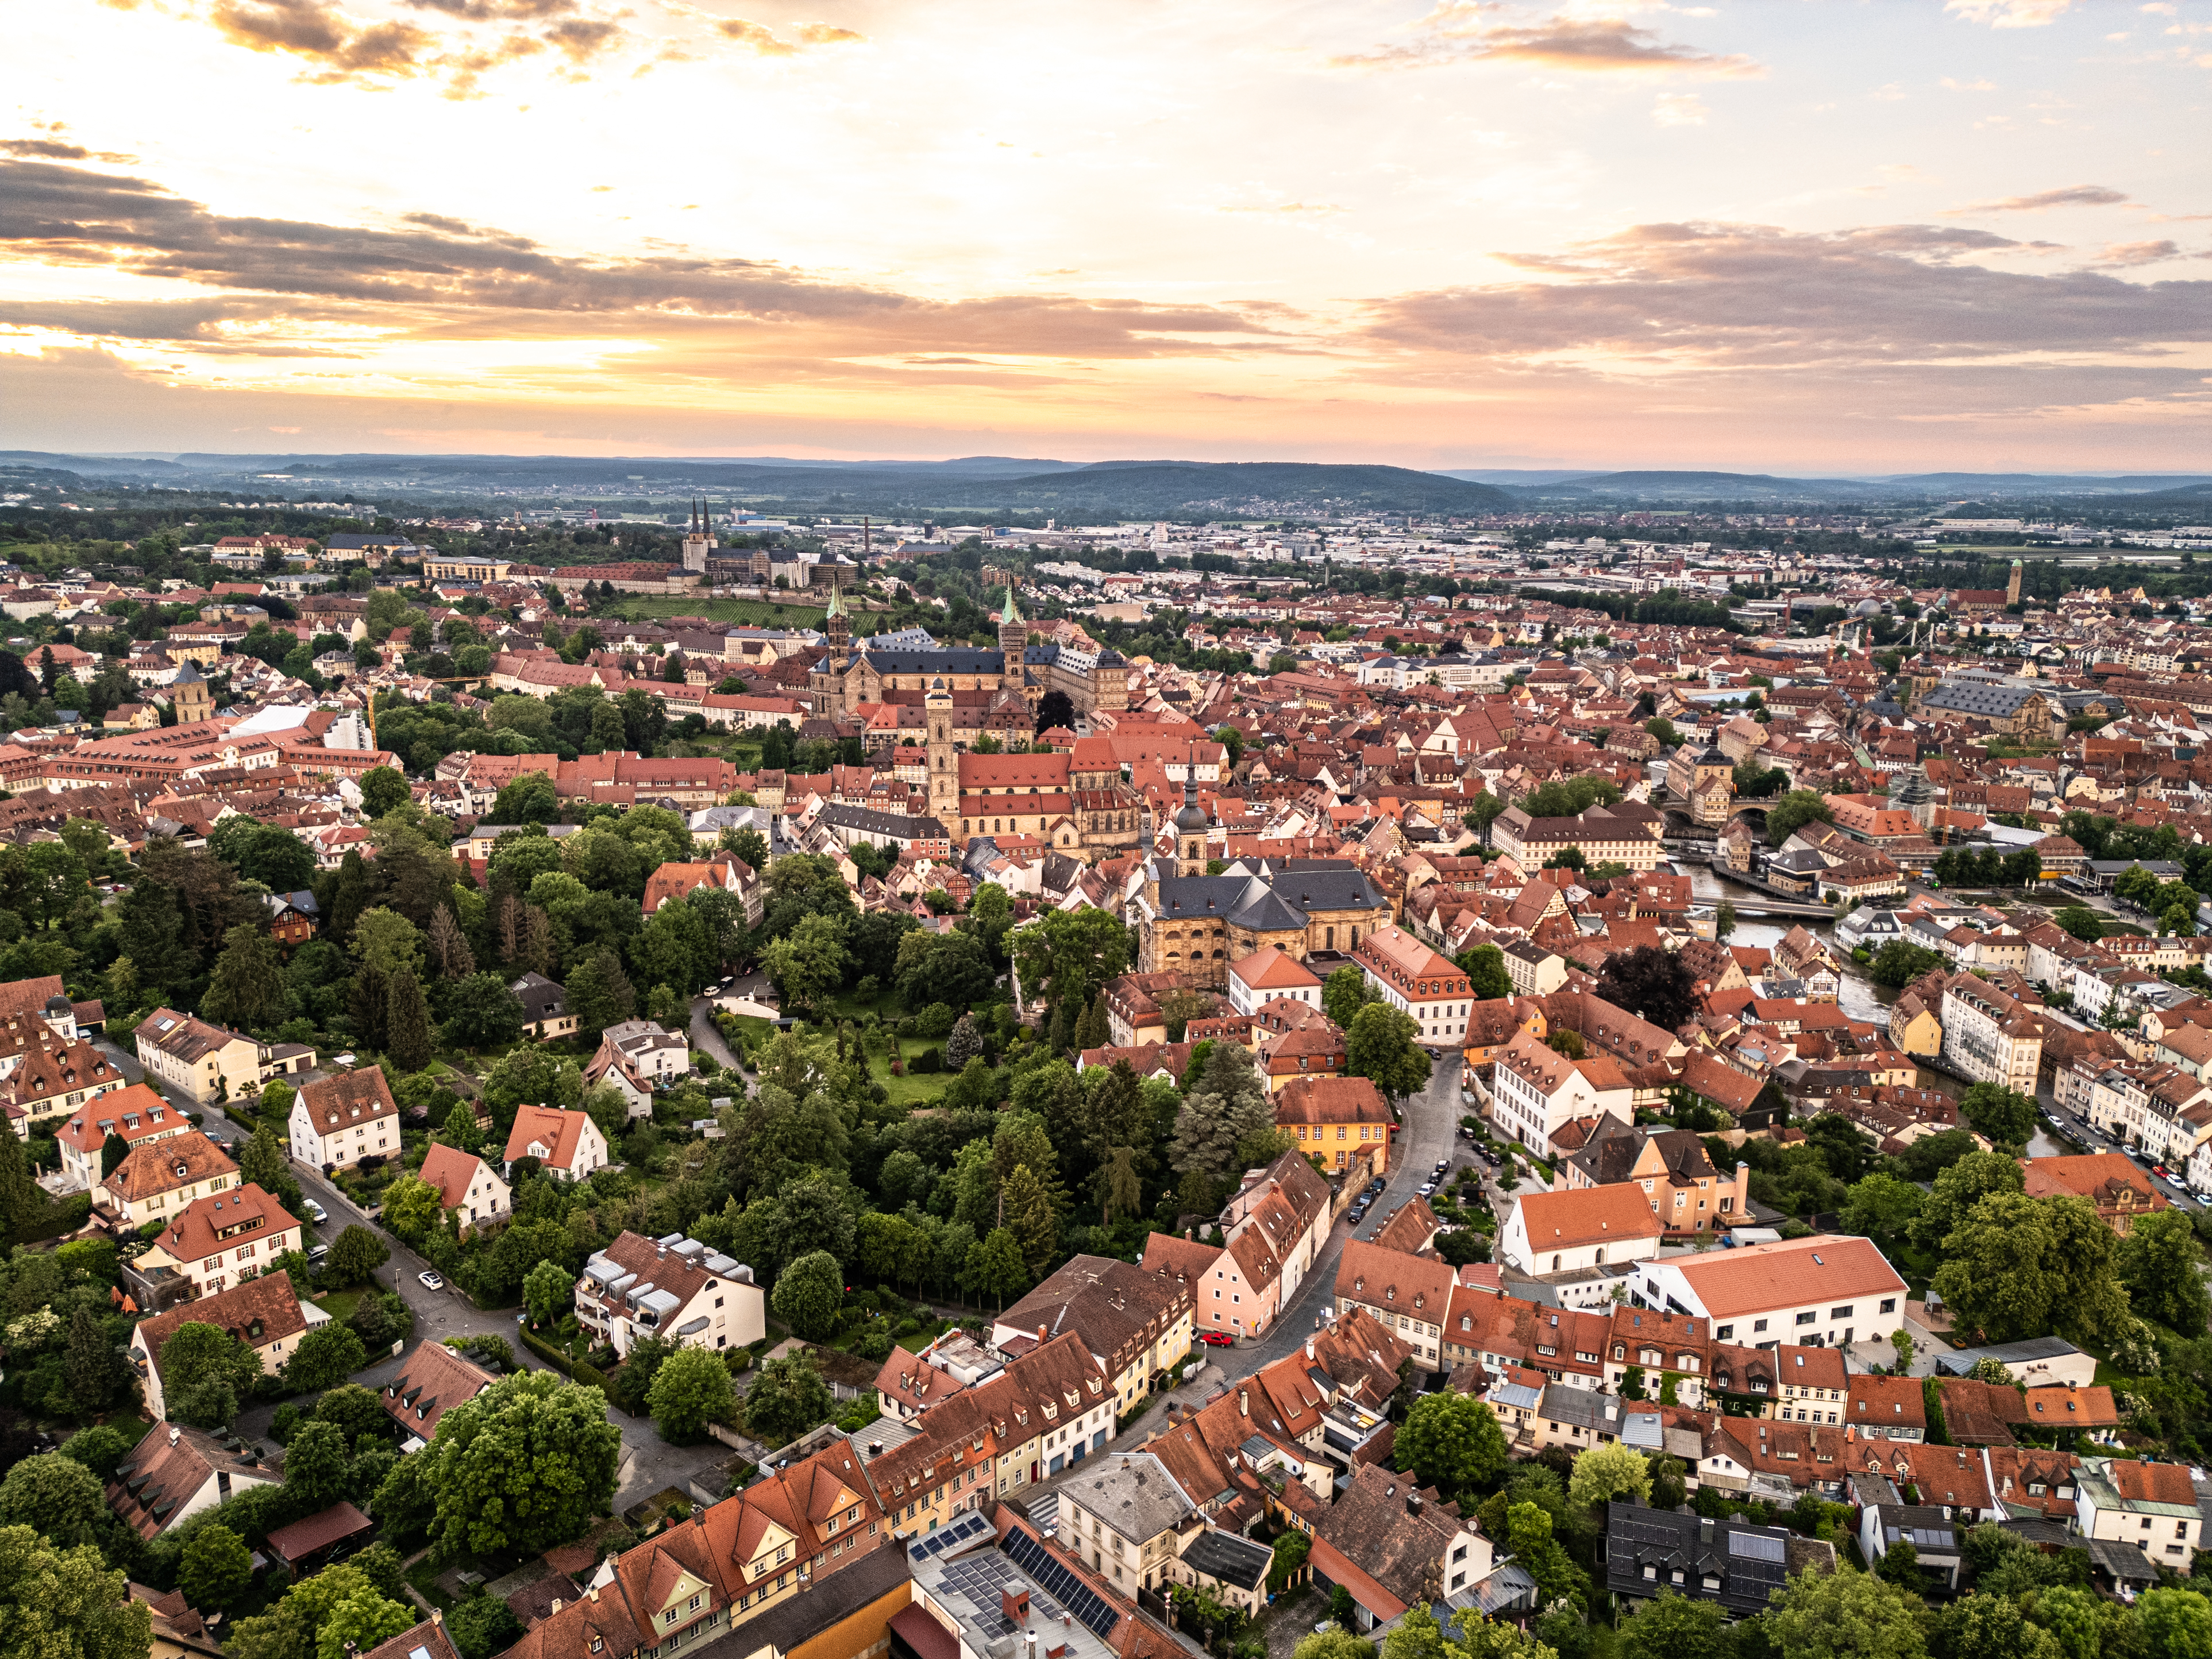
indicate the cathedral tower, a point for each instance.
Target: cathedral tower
{"x":1014,"y":640}
{"x":699,"y":540}
{"x":943,"y":764}
{"x":1190,"y":823}
{"x":2012,"y":588}
{"x":837,"y":627}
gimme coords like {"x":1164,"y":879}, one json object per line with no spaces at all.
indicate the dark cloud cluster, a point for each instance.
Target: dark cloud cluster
{"x":1741,"y":296}
{"x":436,"y":274}
{"x":336,"y":49}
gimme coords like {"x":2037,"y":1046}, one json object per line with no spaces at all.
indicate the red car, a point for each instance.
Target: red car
{"x":1217,"y":1339}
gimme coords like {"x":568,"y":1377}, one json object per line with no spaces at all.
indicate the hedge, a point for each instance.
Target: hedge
{"x":66,"y":1217}
{"x":581,"y":1369}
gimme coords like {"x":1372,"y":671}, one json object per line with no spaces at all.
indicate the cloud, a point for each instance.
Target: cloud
{"x":2010,"y":14}
{"x":829,"y":34}
{"x":2137,"y":253}
{"x":429,"y":280}
{"x":1711,"y":295}
{"x":1679,"y":109}
{"x":1314,"y":209}
{"x":765,"y":42}
{"x":324,"y":36}
{"x":1458,"y":31}
{"x":477,"y":11}
{"x":2072,"y":196}
{"x":1950,"y":85}
{"x":54,"y":150}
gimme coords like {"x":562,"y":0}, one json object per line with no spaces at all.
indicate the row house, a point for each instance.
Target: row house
{"x":1052,"y":1406}
{"x":1989,"y":1037}
{"x":1136,"y":1323}
{"x":1274,"y":1229}
{"x":1537,"y":1091}
{"x":1408,"y":1295}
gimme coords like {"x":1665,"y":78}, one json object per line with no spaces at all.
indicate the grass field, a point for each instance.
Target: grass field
{"x":752,"y":613}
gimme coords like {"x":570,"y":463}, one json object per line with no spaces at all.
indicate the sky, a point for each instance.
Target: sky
{"x":1808,"y":236}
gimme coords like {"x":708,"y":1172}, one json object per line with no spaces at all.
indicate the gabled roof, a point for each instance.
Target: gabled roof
{"x":350,"y":1098}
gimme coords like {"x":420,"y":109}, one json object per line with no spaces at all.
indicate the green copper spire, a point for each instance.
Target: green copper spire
{"x":836,"y":602}
{"x":1009,"y":614}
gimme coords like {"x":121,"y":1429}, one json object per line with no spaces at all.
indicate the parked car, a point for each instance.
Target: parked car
{"x":430,"y":1281}
{"x":315,"y":1211}
{"x":1217,"y":1339}
{"x":317,"y":1254}
{"x":1427,"y":1187}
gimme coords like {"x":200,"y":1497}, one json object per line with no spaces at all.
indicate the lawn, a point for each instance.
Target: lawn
{"x":339,"y":1304}
{"x":752,"y":613}
{"x":916,"y":1343}
{"x":910,"y":1090}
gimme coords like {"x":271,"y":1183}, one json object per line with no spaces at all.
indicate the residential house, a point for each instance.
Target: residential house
{"x":1537,"y":1091}
{"x":1267,"y":973}
{"x":1650,"y":1553}
{"x":221,"y":1240}
{"x":2151,"y":1505}
{"x":1395,"y":1545}
{"x":138,"y":1114}
{"x":162,"y":1176}
{"x":1344,"y":1121}
{"x":175,"y":1472}
{"x":337,"y":1122}
{"x":545,"y":1007}
{"x":567,"y":1144}
{"x":1403,"y":971}
{"x":1581,"y":1240}
{"x":469,"y":1189}
{"x":433,"y":1380}
{"x":1670,"y":1167}
{"x":1409,"y":1296}
{"x":265,"y":1314}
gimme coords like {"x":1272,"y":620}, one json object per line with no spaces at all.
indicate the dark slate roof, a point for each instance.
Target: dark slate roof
{"x":1750,"y":1562}
{"x":903,"y":825}
{"x":1969,"y":697}
{"x":966,"y":661}
{"x":1613,"y":1151}
{"x":1234,"y":1560}
{"x":1219,"y":895}
{"x":1269,"y":914}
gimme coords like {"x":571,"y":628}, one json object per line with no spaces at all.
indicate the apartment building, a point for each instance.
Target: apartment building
{"x":1626,"y":833}
{"x":674,"y":1288}
{"x":1268,"y":973}
{"x":1409,"y":1296}
{"x":1052,"y":1406}
{"x":1343,"y":1120}
{"x":1569,"y":1238}
{"x":1670,"y":1167}
{"x":1429,"y":989}
{"x":1536,"y":1092}
{"x":1987,"y":1037}
{"x":2150,"y":1505}
{"x":211,"y":1064}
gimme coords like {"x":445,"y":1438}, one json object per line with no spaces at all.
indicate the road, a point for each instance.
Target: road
{"x":1430,"y":1130}
{"x":649,"y":1464}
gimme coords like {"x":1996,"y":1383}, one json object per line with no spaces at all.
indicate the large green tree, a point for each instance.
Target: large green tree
{"x":59,"y":1602}
{"x":1226,"y":1109}
{"x":216,"y":1569}
{"x":1379,"y":1047}
{"x":1794,"y":812}
{"x":2004,"y":1116}
{"x":808,"y":1293}
{"x":2017,"y":1267}
{"x":690,"y":1390}
{"x":58,"y":1497}
{"x":248,"y":989}
{"x":2158,"y":1261}
{"x":523,"y":1467}
{"x":1451,"y":1442}
{"x":1846,"y":1614}
{"x":1674,"y":1627}
{"x":788,"y":1398}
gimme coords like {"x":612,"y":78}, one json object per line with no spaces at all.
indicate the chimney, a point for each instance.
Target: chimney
{"x":594,"y":1592}
{"x":1309,"y":1349}
{"x":558,"y":1604}
{"x":1244,"y":1402}
{"x":1412,"y":1503}
{"x":1040,"y":1332}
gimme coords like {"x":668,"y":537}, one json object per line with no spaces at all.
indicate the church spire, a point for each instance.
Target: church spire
{"x":1007,"y":613}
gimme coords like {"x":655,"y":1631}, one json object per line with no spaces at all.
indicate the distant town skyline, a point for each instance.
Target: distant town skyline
{"x":1819,"y":239}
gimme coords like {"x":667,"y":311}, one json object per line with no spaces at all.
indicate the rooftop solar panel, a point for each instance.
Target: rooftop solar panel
{"x":1756,"y":1548}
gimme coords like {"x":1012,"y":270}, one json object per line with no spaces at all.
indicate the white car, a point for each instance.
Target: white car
{"x":430,"y":1281}
{"x":315,"y":1211}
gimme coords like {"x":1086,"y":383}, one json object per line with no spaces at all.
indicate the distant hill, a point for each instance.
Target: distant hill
{"x":1139,"y":487}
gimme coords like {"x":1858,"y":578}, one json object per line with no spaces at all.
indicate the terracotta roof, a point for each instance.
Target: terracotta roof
{"x":267,"y":1302}
{"x":1587,"y":1215}
{"x":356,"y":1097}
{"x":1826,"y":1268}
{"x":223,"y":1220}
{"x":163,"y":1166}
{"x":319,"y":1531}
{"x":557,"y":1130}
{"x":452,"y":1172}
{"x":431,"y":1383}
{"x":137,"y":1113}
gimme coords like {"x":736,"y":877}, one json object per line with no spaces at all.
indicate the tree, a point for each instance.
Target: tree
{"x":324,"y":1357}
{"x":521,"y":1468}
{"x":248,"y":987}
{"x":1453,"y":1443}
{"x":382,"y":791}
{"x":1794,"y":812}
{"x":364,"y":1619}
{"x":94,"y":1372}
{"x":1064,"y":953}
{"x":788,"y":1398}
{"x":965,"y":1043}
{"x":58,"y":1602}
{"x":56,"y":1497}
{"x":1724,"y":920}
{"x":1899,"y":961}
{"x":1484,"y":968}
{"x":529,"y":799}
{"x":2004,"y":1116}
{"x":1604,"y":1475}
{"x":549,"y":1291}
{"x":809,"y":962}
{"x":196,"y":1356}
{"x":690,"y":1390}
{"x":1958,"y":1189}
{"x":1343,"y":995}
{"x":994,"y":1266}
{"x":1675,"y":1627}
{"x":1030,"y":1215}
{"x":808,"y":1294}
{"x":1226,"y":1107}
{"x":2017,"y":1267}
{"x":22,"y":1202}
{"x":412,"y":1207}
{"x":2158,"y":1263}
{"x":1651,"y":983}
{"x":1379,"y":1046}
{"x":2136,"y":885}
{"x":1846,"y":1614}
{"x":355,"y":1256}
{"x":315,"y":1461}
{"x":406,"y":1022}
{"x":2080,"y":921}
{"x":2176,"y":1624}
{"x":215,"y":1570}
{"x":1883,"y":1208}
{"x":481,"y":1626}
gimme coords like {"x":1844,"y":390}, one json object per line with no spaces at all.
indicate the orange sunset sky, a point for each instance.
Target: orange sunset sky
{"x":1800,"y":235}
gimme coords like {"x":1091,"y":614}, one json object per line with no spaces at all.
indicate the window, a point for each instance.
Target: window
{"x":1758,"y":1325}
{"x":1726,"y":1333}
{"x":1889,"y":1305}
{"x":1844,"y":1312}
{"x":1807,"y":1318}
